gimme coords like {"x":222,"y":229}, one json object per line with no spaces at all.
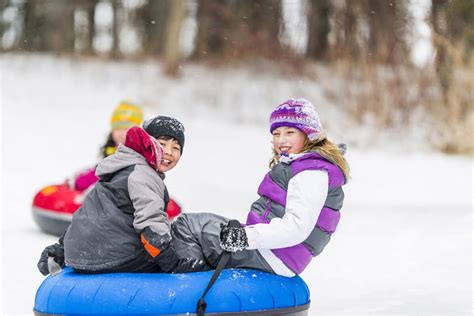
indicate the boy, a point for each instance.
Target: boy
{"x":122,"y":226}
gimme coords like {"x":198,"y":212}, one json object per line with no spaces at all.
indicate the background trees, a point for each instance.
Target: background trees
{"x":371,"y":41}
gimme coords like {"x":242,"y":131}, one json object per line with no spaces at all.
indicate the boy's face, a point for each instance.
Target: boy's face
{"x":288,"y":140}
{"x":171,"y":154}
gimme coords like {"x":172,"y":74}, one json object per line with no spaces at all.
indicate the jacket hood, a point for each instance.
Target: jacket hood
{"x":122,"y":158}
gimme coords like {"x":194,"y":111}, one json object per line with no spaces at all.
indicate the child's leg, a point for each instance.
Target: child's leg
{"x":142,"y":264}
{"x":198,"y":234}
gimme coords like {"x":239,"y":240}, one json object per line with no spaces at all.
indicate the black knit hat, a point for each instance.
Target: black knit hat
{"x":165,"y":126}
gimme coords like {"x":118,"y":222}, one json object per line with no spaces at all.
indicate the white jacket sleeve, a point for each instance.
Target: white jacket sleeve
{"x":307,"y":192}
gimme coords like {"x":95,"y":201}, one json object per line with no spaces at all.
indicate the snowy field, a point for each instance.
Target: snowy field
{"x":404,"y":244}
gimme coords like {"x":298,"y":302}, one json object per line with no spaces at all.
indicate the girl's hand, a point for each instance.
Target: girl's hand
{"x":233,"y":237}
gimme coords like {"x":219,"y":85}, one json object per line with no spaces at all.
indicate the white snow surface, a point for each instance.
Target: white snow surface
{"x":404,"y":243}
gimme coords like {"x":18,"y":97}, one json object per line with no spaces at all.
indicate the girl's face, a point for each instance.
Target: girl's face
{"x":118,"y":135}
{"x":288,"y":140}
{"x":171,"y":154}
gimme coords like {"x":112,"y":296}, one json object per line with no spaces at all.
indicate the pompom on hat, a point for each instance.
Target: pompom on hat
{"x":126,"y":115}
{"x":165,"y":126}
{"x":300,"y":114}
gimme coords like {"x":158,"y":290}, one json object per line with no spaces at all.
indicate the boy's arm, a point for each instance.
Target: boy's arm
{"x":146,"y":192}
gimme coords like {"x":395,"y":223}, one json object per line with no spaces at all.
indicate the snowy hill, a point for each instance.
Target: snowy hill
{"x":404,"y":244}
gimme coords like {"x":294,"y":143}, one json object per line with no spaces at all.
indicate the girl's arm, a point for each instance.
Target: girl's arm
{"x":307,"y":192}
{"x":85,"y":179}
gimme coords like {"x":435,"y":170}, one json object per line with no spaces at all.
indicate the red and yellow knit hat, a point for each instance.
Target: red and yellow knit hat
{"x":126,"y":115}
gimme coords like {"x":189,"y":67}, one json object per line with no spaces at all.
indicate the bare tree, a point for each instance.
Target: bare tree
{"x":318,"y":29}
{"x":151,"y":19}
{"x":48,"y":26}
{"x":238,"y":29}
{"x":90,"y":9}
{"x":172,"y":53}
{"x":116,"y":10}
{"x":386,"y":21}
{"x":214,"y":20}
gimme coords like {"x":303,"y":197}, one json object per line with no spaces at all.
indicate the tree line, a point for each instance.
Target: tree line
{"x":364,"y":30}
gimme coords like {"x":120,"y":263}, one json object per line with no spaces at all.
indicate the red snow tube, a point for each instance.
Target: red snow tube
{"x":54,"y":206}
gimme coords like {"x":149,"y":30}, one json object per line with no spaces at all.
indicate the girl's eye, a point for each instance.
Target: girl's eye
{"x":177,"y":148}
{"x":276,"y":134}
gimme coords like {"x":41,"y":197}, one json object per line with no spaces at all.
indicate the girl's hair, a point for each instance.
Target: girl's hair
{"x":109,"y":147}
{"x":326,"y":149}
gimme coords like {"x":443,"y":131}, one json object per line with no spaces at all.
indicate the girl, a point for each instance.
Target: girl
{"x":298,"y":208}
{"x":124,"y":116}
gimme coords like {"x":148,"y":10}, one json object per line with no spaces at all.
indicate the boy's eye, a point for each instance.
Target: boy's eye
{"x":177,"y":148}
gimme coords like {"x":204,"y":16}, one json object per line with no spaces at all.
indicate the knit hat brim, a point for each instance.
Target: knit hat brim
{"x":300,"y":114}
{"x":165,"y":126}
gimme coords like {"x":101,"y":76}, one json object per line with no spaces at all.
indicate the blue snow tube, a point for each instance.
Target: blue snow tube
{"x":236,"y":292}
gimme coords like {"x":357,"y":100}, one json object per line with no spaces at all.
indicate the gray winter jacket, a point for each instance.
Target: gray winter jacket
{"x":105,"y":230}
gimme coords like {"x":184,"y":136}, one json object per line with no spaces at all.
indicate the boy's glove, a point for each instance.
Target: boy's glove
{"x":160,"y":248}
{"x":56,"y":252}
{"x":167,"y":260}
{"x":233,"y":237}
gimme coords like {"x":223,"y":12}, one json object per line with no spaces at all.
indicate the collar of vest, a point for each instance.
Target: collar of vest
{"x":314,"y":161}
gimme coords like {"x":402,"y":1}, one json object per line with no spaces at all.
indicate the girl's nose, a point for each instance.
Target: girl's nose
{"x":282,"y":140}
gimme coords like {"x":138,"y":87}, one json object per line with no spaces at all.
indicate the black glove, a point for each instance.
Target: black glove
{"x":167,"y":260}
{"x":160,"y":248}
{"x":190,"y":265}
{"x":56,"y":252}
{"x":233,"y":237}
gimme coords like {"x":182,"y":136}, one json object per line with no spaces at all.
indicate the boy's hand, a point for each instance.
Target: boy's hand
{"x":154,"y":243}
{"x":56,"y":252}
{"x":167,"y":260}
{"x":160,"y":248}
{"x":233,"y":237}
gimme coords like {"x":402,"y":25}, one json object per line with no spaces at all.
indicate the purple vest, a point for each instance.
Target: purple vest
{"x":273,"y":191}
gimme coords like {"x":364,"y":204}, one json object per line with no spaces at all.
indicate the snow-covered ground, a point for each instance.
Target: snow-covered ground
{"x":404,"y":244}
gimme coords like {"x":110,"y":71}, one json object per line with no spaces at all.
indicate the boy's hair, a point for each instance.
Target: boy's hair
{"x":167,"y":137}
{"x":326,"y":149}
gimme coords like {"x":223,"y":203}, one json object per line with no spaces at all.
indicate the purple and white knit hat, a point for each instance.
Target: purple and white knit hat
{"x":300,"y":114}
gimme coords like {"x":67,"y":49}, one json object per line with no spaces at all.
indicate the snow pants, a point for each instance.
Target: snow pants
{"x":196,"y":235}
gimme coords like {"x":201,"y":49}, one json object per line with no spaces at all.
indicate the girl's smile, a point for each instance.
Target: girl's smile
{"x":288,"y":140}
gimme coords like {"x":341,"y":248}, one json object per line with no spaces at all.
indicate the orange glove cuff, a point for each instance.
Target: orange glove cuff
{"x":153,"y":251}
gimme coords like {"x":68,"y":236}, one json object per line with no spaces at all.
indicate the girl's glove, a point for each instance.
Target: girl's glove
{"x":56,"y":252}
{"x":233,"y":237}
